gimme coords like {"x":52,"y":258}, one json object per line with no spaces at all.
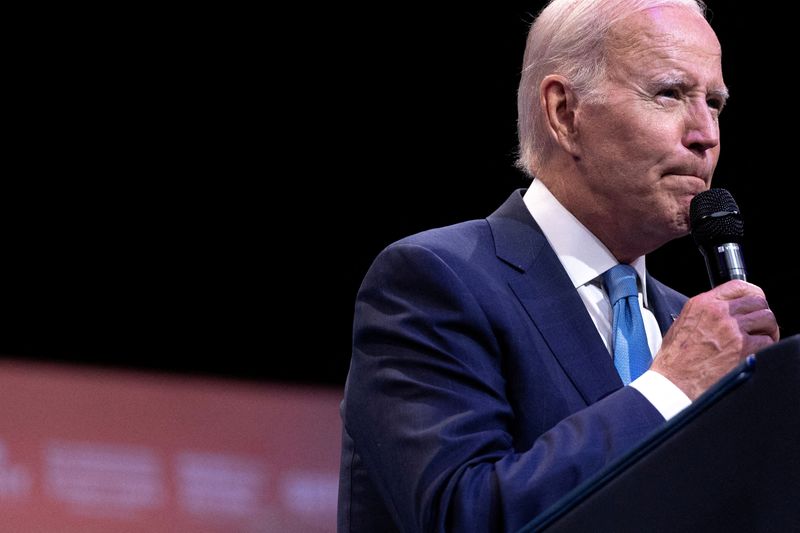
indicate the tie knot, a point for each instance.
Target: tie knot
{"x":620,"y":282}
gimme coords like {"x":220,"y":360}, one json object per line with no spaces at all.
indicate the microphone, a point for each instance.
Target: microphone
{"x":717,"y":229}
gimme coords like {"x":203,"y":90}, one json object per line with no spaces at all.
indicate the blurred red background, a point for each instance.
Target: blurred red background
{"x":98,"y":450}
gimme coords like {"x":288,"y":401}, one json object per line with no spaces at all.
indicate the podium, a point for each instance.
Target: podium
{"x":730,"y":462}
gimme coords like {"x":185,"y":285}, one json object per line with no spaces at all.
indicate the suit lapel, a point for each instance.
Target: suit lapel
{"x":664,"y":307}
{"x":551,"y":302}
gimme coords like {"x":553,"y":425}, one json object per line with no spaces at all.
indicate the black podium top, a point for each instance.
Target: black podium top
{"x":730,"y":462}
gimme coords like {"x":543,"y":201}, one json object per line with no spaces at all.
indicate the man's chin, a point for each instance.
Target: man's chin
{"x":676,"y":230}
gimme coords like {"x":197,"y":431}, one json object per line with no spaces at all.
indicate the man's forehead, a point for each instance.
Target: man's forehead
{"x":678,"y":46}
{"x":663,"y":27}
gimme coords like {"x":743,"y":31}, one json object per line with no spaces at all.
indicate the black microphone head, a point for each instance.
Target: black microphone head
{"x":715,"y":218}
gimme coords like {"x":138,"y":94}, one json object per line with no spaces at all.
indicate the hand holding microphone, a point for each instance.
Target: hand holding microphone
{"x":718,"y":328}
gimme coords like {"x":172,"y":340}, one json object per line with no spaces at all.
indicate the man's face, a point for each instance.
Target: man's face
{"x":652,"y":143}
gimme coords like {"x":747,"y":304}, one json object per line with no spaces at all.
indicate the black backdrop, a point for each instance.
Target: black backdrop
{"x":202,"y":191}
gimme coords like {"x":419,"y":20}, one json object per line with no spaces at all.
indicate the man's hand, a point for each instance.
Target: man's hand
{"x":715,"y":331}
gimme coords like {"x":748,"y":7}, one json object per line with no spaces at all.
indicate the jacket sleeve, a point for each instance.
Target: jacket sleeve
{"x":426,"y":407}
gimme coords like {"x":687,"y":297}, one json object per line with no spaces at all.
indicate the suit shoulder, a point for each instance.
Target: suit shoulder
{"x":458,"y":240}
{"x":464,"y":249}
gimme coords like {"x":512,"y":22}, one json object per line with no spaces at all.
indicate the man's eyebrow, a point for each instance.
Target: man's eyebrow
{"x":721,"y":93}
{"x":671,"y":78}
{"x":676,"y":79}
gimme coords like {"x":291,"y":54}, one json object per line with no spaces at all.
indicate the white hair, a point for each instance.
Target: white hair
{"x":568,"y":38}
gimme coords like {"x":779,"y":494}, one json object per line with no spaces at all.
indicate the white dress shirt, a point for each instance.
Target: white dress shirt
{"x":585,"y":259}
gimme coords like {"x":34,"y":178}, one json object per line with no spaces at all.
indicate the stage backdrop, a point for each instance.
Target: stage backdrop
{"x":91,"y":450}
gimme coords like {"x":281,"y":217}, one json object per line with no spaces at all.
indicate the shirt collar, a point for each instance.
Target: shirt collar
{"x":583,"y":255}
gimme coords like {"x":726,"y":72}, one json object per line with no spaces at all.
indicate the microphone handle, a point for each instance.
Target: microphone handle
{"x":724,"y":262}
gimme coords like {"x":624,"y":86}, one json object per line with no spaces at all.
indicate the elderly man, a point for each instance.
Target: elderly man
{"x":487,"y":379}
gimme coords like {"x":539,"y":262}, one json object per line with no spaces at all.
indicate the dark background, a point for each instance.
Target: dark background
{"x":202,"y":192}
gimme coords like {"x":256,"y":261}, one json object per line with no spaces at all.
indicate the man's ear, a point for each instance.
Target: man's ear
{"x":559,"y":103}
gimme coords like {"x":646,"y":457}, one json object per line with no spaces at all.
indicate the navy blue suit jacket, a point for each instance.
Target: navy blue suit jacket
{"x":479,"y":391}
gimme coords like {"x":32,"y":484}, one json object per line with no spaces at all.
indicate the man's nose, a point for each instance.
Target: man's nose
{"x":702,"y":128}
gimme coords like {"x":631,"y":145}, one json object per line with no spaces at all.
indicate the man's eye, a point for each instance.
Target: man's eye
{"x":716,"y":103}
{"x":669,"y":93}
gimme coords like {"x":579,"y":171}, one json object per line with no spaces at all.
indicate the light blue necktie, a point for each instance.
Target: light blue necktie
{"x":629,"y":340}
